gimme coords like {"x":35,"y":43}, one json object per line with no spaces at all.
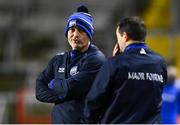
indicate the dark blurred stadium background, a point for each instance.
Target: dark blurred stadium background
{"x":31,"y":32}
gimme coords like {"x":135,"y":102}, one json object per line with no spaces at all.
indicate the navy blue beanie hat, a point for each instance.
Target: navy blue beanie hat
{"x":82,"y":19}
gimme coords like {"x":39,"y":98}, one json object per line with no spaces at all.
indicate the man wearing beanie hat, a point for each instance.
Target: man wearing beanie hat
{"x":69,"y":75}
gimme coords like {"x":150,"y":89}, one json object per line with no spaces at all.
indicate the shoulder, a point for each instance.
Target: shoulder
{"x":158,"y":59}
{"x":58,"y":56}
{"x":120,"y":63}
{"x":115,"y":61}
{"x":94,"y":50}
{"x":155,"y":55}
{"x":61,"y":53}
{"x":119,"y":59}
{"x":95,"y":53}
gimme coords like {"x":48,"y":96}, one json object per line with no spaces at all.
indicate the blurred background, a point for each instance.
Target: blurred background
{"x":32,"y":32}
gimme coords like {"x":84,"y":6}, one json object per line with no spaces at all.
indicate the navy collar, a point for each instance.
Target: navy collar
{"x":136,"y":46}
{"x":76,"y":53}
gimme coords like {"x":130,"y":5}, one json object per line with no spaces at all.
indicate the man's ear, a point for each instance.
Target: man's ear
{"x":125,"y":35}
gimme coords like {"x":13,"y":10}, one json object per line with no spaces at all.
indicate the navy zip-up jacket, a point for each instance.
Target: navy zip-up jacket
{"x":72,"y":78}
{"x":128,"y":88}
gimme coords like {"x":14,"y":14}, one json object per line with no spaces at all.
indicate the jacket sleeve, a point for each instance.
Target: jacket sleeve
{"x":77,"y":86}
{"x":43,"y":93}
{"x":96,"y":100}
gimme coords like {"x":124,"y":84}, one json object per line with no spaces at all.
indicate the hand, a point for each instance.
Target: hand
{"x":51,"y":84}
{"x":116,"y":50}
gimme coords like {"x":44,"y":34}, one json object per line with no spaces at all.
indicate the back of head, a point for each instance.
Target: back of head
{"x":81,"y":19}
{"x":134,"y":27}
{"x":172,"y":73}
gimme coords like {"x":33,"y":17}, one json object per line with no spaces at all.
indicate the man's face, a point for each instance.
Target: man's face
{"x":78,"y":39}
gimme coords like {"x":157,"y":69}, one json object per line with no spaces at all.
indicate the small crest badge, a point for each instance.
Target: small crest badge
{"x":74,"y":71}
{"x":72,"y":23}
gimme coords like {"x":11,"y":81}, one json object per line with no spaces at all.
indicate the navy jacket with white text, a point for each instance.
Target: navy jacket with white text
{"x":128,"y":88}
{"x":73,"y":78}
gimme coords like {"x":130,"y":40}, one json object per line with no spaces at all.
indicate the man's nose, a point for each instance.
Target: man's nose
{"x":76,"y":33}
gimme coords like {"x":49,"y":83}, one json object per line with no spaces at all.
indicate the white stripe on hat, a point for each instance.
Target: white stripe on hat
{"x":87,"y":22}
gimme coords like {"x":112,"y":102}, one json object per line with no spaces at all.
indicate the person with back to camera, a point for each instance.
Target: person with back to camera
{"x":128,"y":87}
{"x":69,"y":75}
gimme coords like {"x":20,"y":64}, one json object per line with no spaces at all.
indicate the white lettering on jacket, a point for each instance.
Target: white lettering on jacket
{"x":145,"y":76}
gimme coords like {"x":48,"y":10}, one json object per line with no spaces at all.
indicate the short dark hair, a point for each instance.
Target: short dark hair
{"x":134,"y":27}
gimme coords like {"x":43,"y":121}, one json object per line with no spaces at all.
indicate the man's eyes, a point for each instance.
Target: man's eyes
{"x":72,"y":29}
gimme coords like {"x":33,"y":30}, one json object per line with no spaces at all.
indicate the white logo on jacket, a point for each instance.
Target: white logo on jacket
{"x":61,"y":69}
{"x":74,"y":71}
{"x":142,"y":51}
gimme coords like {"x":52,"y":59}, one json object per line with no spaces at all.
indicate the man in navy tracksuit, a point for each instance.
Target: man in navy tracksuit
{"x":68,"y":76}
{"x":129,"y":85}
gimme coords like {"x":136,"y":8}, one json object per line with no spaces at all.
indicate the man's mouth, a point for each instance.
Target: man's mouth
{"x":76,"y":41}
